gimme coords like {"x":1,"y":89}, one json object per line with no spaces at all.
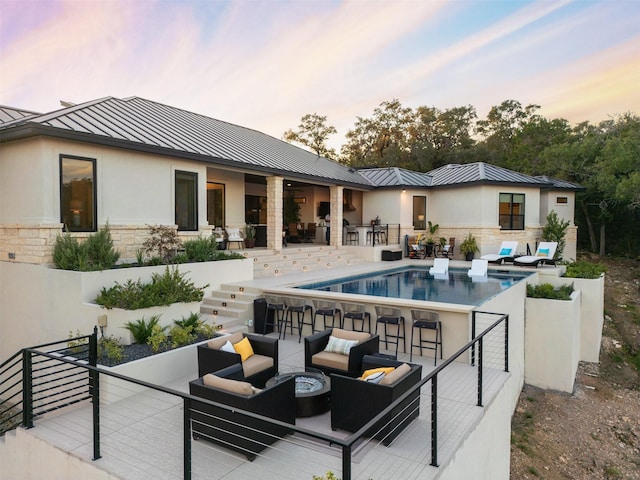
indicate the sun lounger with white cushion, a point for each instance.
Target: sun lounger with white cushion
{"x":505,"y":253}
{"x":544,"y":254}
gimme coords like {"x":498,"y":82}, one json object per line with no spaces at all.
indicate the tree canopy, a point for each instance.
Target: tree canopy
{"x":603,"y":158}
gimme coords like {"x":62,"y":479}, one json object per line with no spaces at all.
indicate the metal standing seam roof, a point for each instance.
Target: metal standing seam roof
{"x":480,"y":172}
{"x":10,"y":114}
{"x":557,"y":184}
{"x":142,"y":124}
{"x":395,"y":177}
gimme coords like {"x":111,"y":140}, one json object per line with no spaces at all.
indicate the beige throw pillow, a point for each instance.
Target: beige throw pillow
{"x":396,"y":375}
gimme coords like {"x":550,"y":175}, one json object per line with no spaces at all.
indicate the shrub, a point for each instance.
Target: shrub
{"x":110,"y":349}
{"x":142,"y":329}
{"x":206,"y":330}
{"x":193,"y":320}
{"x":554,"y":231}
{"x":181,"y":335}
{"x":171,"y":287}
{"x":76,"y":345}
{"x":584,"y":269}
{"x":164,"y":241}
{"x":158,"y":338}
{"x":200,"y":250}
{"x":546,"y":290}
{"x":95,"y":253}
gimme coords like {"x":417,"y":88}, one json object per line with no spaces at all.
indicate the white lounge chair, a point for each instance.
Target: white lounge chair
{"x":544,"y":254}
{"x":505,"y":253}
{"x":478,"y":268}
{"x":234,"y":235}
{"x":440,"y":266}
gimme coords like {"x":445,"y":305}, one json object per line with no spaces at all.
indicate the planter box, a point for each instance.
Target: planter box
{"x":552,"y":342}
{"x":117,"y":317}
{"x":158,"y":369}
{"x":591,"y":314}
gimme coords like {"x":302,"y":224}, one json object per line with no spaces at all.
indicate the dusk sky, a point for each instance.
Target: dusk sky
{"x":264,"y":64}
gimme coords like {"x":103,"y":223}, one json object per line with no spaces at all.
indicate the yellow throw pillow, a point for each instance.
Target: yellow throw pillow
{"x":243,"y":348}
{"x":385,"y":370}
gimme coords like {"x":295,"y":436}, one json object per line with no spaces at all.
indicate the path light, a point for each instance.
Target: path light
{"x":241,"y":289}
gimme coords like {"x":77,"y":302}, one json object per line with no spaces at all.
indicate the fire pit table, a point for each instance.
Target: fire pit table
{"x":313,"y":391}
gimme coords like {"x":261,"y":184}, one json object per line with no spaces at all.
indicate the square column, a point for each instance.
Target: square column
{"x":274,"y":212}
{"x":335,"y":194}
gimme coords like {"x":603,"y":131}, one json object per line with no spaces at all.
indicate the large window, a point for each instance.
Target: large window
{"x":256,"y":209}
{"x":78,"y":193}
{"x":187,"y":200}
{"x":215,"y":204}
{"x":419,"y":212}
{"x":512,"y":211}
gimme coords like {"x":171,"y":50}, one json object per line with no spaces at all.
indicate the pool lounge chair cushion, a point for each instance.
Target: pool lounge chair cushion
{"x":544,"y":254}
{"x":505,"y":253}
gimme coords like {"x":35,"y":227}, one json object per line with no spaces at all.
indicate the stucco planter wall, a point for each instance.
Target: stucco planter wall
{"x":158,"y":369}
{"x":117,"y":317}
{"x":552,"y":342}
{"x":591,"y":314}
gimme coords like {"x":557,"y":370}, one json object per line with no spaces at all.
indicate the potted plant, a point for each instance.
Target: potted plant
{"x":250,"y":235}
{"x":430,"y":241}
{"x":469,"y":247}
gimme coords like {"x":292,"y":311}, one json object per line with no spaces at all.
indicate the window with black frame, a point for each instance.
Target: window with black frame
{"x":186,"y":200}
{"x":419,"y":212}
{"x":78,"y":193}
{"x":511,"y":216}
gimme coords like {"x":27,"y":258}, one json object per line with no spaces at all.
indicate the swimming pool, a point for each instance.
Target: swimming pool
{"x":416,"y":283}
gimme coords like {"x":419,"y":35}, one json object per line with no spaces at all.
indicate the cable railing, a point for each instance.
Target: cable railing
{"x":53,"y":380}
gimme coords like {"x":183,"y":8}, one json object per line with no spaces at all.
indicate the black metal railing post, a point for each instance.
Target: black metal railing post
{"x":506,"y":343}
{"x":480,"y":353}
{"x":434,"y":421}
{"x":473,"y":335}
{"x":187,"y":439}
{"x":27,"y":389}
{"x":94,"y":391}
{"x":346,"y":462}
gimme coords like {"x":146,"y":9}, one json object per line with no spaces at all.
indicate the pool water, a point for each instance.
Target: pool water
{"x":416,"y":283}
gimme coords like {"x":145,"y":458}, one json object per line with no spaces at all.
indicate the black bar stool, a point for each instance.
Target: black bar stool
{"x":299,"y":307}
{"x":426,"y":320}
{"x":275,"y":304}
{"x":391,"y":316}
{"x":327,"y":308}
{"x":356,"y":311}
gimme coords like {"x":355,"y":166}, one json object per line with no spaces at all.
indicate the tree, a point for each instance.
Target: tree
{"x":313,"y":132}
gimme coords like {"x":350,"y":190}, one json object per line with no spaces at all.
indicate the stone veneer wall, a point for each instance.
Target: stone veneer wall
{"x":34,"y":243}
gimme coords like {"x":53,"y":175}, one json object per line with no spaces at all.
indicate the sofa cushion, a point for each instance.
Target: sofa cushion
{"x":256,"y":363}
{"x":331,"y":360}
{"x":396,"y":375}
{"x":349,"y":335}
{"x":228,"y":385}
{"x":228,"y":347}
{"x":373,"y":371}
{"x":339,"y":345}
{"x":218,"y":342}
{"x":243,"y":348}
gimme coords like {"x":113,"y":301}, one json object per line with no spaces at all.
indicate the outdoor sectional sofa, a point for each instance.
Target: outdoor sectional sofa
{"x":232,"y":427}
{"x":355,"y":402}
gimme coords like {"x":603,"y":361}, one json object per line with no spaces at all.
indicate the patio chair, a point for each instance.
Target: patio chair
{"x":234,"y":236}
{"x":292,"y":233}
{"x":354,"y":402}
{"x":447,"y":249}
{"x":544,"y":254}
{"x":505,"y":253}
{"x":327,"y":308}
{"x":391,"y":316}
{"x":478,"y":268}
{"x":232,"y":428}
{"x":426,"y":320}
{"x":298,"y":306}
{"x":440,"y":266}
{"x":356,"y":312}
{"x":316,"y":355}
{"x":311,"y":231}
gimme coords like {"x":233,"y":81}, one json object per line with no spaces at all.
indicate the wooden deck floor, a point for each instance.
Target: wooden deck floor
{"x":142,"y":436}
